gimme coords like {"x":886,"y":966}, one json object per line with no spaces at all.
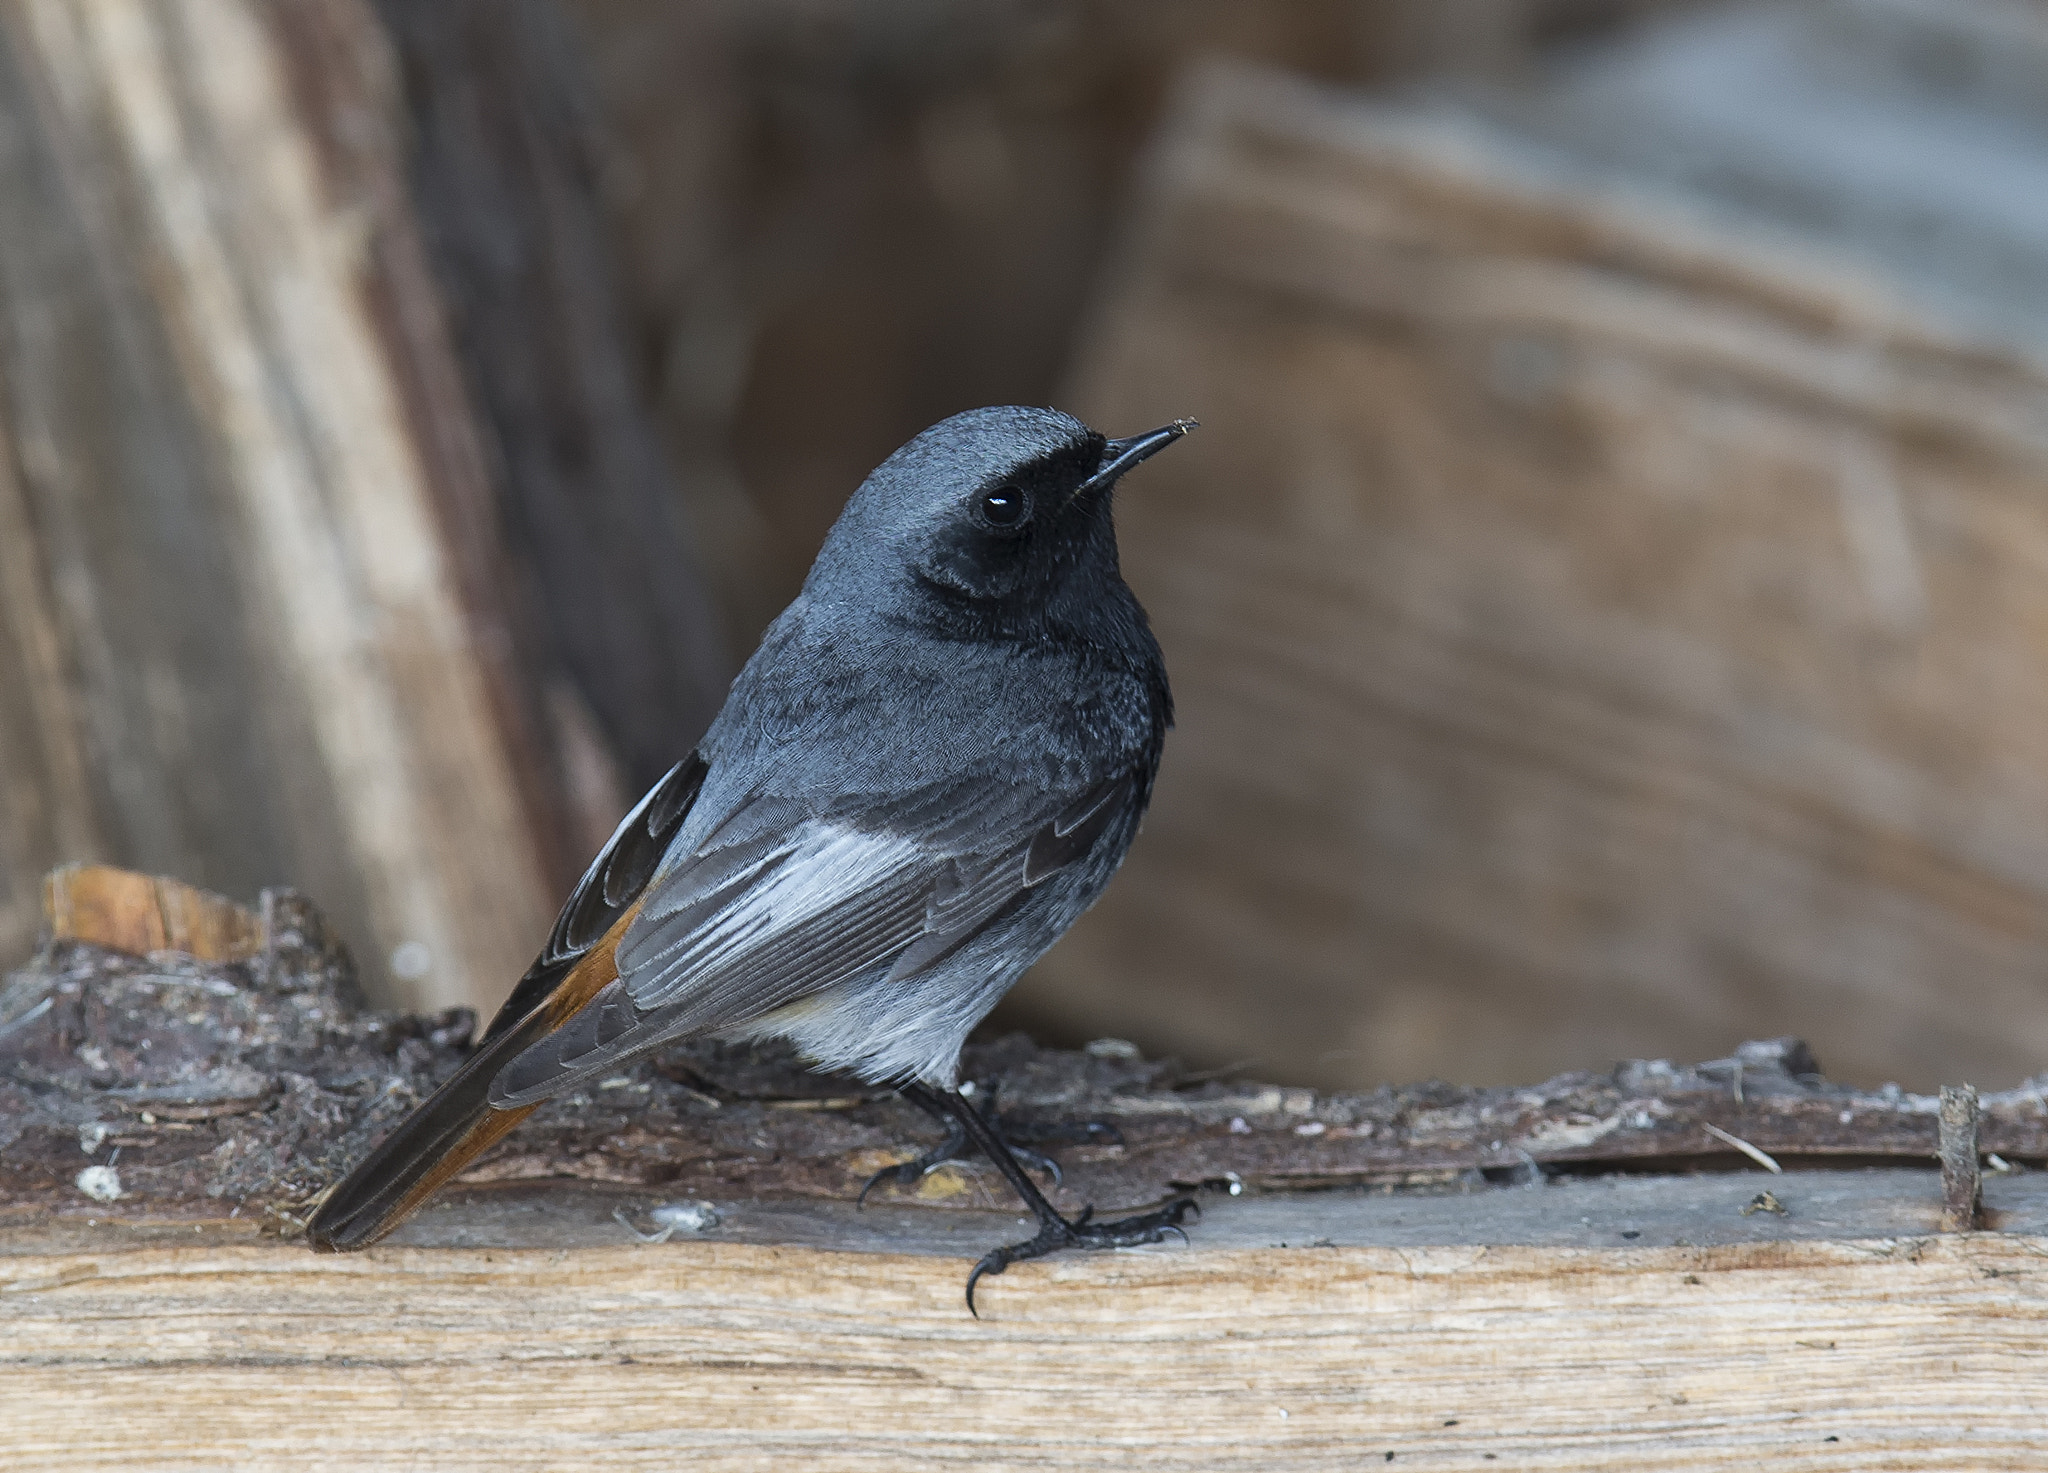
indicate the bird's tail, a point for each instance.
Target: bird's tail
{"x":456,"y":1123}
{"x":445,"y":1134}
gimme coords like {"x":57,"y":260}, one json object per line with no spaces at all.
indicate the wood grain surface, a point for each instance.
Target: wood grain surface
{"x":335,"y":546}
{"x":1872,"y":1354}
{"x":252,"y":643}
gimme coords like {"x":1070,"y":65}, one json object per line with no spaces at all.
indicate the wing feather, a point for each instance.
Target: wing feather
{"x":765,"y":914}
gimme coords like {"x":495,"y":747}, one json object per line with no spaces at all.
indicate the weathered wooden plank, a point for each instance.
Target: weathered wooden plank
{"x":262,"y":295}
{"x":127,"y":647}
{"x":1877,"y":1354}
{"x":343,"y":77}
{"x":259,"y":620}
{"x":505,"y":172}
{"x":1595,"y":631}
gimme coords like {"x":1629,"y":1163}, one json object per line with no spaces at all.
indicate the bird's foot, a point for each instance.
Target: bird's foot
{"x":1056,"y":1233}
{"x":958,"y":1147}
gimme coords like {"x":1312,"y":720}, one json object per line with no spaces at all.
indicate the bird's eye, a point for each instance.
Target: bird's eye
{"x":1003,"y":507}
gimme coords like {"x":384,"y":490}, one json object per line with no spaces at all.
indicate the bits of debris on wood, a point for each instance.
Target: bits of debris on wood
{"x":262,"y":1078}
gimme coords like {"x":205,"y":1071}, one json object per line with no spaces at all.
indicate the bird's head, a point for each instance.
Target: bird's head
{"x":996,"y":520}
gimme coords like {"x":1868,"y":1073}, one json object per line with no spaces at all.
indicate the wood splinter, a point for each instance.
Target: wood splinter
{"x":1962,"y":1181}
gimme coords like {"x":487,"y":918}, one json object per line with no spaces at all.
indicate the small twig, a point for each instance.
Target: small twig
{"x":817,"y":1102}
{"x":1962,"y":1181}
{"x":1762,"y":1158}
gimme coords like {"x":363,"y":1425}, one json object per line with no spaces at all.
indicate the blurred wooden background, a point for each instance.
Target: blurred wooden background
{"x":1602,"y":598}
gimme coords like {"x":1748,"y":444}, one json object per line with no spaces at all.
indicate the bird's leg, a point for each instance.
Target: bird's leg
{"x":957,"y":1146}
{"x":1054,"y":1231}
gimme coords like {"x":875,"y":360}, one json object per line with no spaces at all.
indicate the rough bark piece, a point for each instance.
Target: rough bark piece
{"x":125,"y":911}
{"x":246,"y":1086}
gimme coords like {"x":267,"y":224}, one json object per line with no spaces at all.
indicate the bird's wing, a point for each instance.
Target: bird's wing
{"x":778,"y":904}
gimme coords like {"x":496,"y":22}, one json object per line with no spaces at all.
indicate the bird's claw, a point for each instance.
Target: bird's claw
{"x":1084,"y":1232}
{"x":903,"y":1174}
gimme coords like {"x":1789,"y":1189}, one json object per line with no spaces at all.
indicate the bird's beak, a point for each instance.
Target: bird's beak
{"x":1119,"y":456}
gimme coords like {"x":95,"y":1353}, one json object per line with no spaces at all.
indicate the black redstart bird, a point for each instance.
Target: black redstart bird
{"x":931,"y":766}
